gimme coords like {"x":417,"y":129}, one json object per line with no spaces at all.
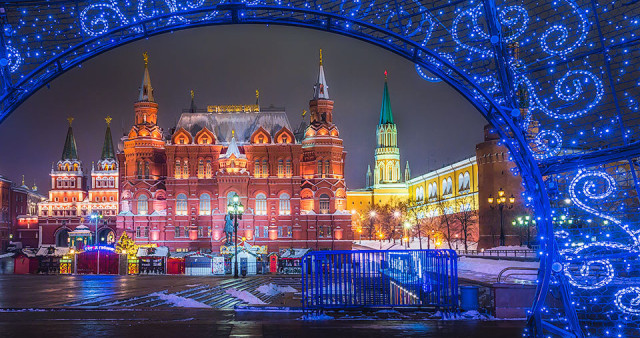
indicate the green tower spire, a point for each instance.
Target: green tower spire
{"x":107,"y":148}
{"x":70,"y":151}
{"x":386,"y":116}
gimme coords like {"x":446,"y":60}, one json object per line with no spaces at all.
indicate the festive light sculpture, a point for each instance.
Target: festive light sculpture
{"x":558,"y":79}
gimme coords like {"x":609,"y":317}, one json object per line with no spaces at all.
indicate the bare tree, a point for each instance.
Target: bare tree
{"x":467,"y":218}
{"x":447,"y":220}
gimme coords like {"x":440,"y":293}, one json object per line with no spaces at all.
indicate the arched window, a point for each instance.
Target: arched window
{"x":143,"y":205}
{"x":261,"y":204}
{"x":185,"y":169}
{"x":208,"y":172}
{"x":139,"y":169}
{"x":390,"y":169}
{"x":285,"y":204}
{"x":256,"y":169}
{"x":146,"y":169}
{"x":200,"y":168}
{"x":327,"y":166}
{"x":265,"y":168}
{"x":460,"y":182}
{"x":177,"y":173}
{"x":449,"y":186}
{"x":205,"y":204}
{"x":324,"y":204}
{"x":181,"y":204}
{"x":319,"y":167}
{"x":280,"y":168}
{"x":288,"y":169}
{"x":467,"y":180}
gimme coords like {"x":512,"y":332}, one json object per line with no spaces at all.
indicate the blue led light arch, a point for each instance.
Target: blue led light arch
{"x":556,"y":78}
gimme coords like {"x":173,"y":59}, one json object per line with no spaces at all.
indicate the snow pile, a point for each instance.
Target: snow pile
{"x":321,"y":316}
{"x":179,"y":301}
{"x":273,"y":289}
{"x":413,"y":245}
{"x":245,"y":296}
{"x":487,"y":270}
{"x":471,"y":315}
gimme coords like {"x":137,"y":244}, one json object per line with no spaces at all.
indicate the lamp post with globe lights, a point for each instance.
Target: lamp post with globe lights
{"x":500,"y":203}
{"x":235,"y":209}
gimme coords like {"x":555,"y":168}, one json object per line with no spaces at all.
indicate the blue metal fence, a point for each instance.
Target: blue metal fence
{"x":370,"y":279}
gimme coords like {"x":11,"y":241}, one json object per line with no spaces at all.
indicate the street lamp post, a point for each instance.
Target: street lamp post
{"x":500,"y":202}
{"x":526,"y":222}
{"x":235,"y":209}
{"x":372,"y":215}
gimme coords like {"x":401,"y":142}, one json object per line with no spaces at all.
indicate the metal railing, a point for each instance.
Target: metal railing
{"x":498,"y":253}
{"x":512,"y":271}
{"x":380,"y":278}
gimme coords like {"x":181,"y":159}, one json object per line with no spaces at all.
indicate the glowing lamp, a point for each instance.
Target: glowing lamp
{"x":490,"y":199}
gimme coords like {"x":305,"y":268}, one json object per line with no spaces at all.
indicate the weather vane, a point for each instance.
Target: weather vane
{"x":192,"y":94}
{"x":70,"y":119}
{"x":321,"y":56}
{"x":108,"y":119}
{"x":257,"y":94}
{"x":145,"y":56}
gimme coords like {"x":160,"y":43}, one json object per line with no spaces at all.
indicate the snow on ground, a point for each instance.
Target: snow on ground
{"x":273,"y":289}
{"x":510,"y":247}
{"x":321,"y":316}
{"x":487,"y":270}
{"x":413,"y":245}
{"x":179,"y":301}
{"x":245,"y":296}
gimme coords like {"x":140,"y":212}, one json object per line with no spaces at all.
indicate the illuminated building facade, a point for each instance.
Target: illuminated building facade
{"x":18,"y":204}
{"x":71,"y":202}
{"x":175,"y":191}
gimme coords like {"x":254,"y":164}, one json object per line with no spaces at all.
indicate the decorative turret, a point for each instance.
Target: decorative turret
{"x":368,"y":181}
{"x":108,"y":158}
{"x":386,"y":116}
{"x":146,"y":108}
{"x":387,"y":168}
{"x":192,"y":107}
{"x":321,"y":106}
{"x":146,"y":91}
{"x":70,"y":151}
{"x":407,"y":172}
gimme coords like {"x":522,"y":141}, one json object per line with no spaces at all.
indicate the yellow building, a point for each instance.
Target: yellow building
{"x":451,"y":189}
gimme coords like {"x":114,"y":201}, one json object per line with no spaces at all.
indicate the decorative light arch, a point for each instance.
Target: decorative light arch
{"x":556,"y":78}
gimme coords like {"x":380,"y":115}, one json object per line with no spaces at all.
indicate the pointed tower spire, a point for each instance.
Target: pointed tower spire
{"x":233,"y":147}
{"x":407,"y":172}
{"x":192,"y":108}
{"x":107,"y":147}
{"x":146,"y":91}
{"x":368,"y":179}
{"x":321,"y":89}
{"x":385,"y":111}
{"x":257,"y":98}
{"x":70,"y":151}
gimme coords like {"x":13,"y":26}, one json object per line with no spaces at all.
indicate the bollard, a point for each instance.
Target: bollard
{"x":468,"y":297}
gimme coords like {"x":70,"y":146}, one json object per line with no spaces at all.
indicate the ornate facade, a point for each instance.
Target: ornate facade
{"x":71,"y":203}
{"x":175,"y":189}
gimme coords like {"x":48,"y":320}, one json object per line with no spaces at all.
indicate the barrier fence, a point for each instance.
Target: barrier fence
{"x":377,"y":279}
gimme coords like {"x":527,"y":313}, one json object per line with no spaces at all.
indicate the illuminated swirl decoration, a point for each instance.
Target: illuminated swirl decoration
{"x":95,"y":18}
{"x":583,"y":279}
{"x":414,"y":23}
{"x":628,"y":300}
{"x":516,"y":19}
{"x":560,"y":34}
{"x":547,"y":143}
{"x":577,"y":87}
{"x":592,"y":191}
{"x":475,"y":33}
{"x":14,"y":59}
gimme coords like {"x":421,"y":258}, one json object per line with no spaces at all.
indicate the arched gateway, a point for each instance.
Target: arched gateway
{"x":557,"y":78}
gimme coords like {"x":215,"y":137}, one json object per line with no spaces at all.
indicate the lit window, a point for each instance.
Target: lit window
{"x":261,"y":204}
{"x":181,"y":204}
{"x":288,"y":168}
{"x":324,"y":204}
{"x":208,"y":169}
{"x":280,"y":169}
{"x":256,"y":169}
{"x":200,"y":168}
{"x":143,"y":205}
{"x":285,"y":204}
{"x":177,"y":170}
{"x":205,"y":205}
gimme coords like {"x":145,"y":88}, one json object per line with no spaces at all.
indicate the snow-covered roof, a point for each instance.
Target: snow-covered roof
{"x":7,"y":255}
{"x":159,"y":213}
{"x":55,"y":251}
{"x":29,"y":252}
{"x":161,"y":251}
{"x":244,"y":124}
{"x":293,"y":253}
{"x":126,"y":213}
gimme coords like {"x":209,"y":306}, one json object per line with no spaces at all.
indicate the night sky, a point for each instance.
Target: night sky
{"x":225,"y":65}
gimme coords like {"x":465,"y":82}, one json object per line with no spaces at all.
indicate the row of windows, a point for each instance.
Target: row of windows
{"x":142,"y":169}
{"x":464,"y":184}
{"x":104,"y":199}
{"x":65,"y":182}
{"x":260,"y":206}
{"x":105,"y":182}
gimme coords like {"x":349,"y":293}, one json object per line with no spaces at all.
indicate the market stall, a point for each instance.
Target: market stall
{"x":25,"y":262}
{"x":290,"y":262}
{"x":49,"y":259}
{"x":153,"y":260}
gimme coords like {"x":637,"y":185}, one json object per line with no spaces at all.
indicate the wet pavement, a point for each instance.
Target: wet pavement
{"x":124,"y":306}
